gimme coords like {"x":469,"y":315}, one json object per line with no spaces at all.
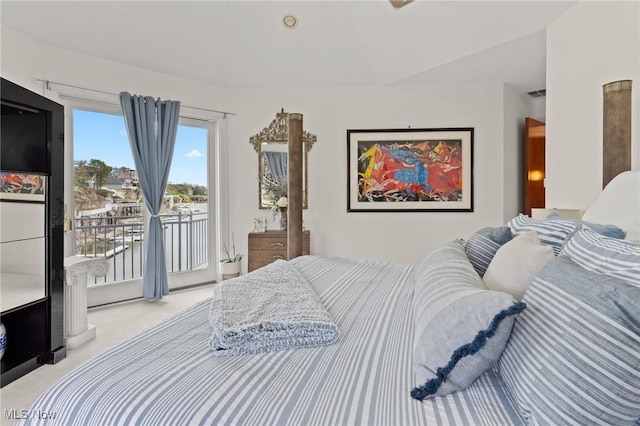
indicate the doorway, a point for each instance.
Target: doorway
{"x":534,"y":165}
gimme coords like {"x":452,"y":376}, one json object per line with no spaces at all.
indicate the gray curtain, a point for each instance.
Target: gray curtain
{"x":278,"y":162}
{"x":152,"y":126}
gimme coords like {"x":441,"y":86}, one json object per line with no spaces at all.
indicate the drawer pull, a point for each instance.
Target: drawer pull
{"x":277,"y":256}
{"x":277,"y":244}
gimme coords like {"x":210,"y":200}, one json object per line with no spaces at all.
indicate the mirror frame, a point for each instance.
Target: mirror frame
{"x":277,"y":132}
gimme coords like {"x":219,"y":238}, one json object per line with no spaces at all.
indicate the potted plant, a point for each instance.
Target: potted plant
{"x":230,"y":265}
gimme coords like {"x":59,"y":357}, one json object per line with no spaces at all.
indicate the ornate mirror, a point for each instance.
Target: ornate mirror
{"x":271,"y":144}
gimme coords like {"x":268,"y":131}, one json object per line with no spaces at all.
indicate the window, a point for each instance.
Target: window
{"x":109,"y":211}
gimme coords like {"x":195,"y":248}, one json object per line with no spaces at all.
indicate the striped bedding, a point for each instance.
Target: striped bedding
{"x":168,"y":375}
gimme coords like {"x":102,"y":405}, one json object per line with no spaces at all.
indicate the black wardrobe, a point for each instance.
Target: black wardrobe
{"x":32,"y":173}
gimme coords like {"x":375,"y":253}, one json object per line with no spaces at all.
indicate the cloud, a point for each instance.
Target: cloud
{"x":193,"y":154}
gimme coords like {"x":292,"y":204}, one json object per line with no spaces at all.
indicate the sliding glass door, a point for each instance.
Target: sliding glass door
{"x":110,"y":216}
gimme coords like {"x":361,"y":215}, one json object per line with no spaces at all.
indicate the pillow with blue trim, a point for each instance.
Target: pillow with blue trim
{"x":611,"y":231}
{"x":608,"y":256}
{"x":484,"y":244}
{"x":551,"y":232}
{"x":461,"y":328}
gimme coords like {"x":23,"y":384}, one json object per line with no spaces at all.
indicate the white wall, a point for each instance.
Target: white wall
{"x":517,"y":106}
{"x":540,"y":108}
{"x":592,"y":44}
{"x":23,"y":61}
{"x":328,"y":113}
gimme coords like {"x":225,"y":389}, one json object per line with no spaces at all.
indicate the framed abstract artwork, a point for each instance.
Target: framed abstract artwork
{"x":410,"y":170}
{"x":22,"y":187}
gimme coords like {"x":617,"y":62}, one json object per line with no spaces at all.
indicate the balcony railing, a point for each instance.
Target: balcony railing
{"x":120,"y":239}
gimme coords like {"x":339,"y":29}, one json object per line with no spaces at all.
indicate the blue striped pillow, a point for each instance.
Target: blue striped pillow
{"x":607,"y":230}
{"x":460,"y":327}
{"x":551,"y":232}
{"x":483,"y":245}
{"x":574,"y":354}
{"x":604,"y":255}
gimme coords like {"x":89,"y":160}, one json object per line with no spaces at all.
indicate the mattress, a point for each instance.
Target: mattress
{"x":167,"y":374}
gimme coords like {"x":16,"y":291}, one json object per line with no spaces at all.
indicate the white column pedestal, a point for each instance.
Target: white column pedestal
{"x":77,"y":331}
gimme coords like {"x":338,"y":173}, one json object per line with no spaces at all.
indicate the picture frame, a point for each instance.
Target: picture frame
{"x":410,"y":170}
{"x":22,"y":187}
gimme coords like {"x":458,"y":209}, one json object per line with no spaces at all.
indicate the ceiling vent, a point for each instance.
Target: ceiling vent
{"x":538,"y":93}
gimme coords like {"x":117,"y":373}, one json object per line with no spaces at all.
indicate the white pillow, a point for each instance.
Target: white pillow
{"x":619,"y":204}
{"x":516,"y":263}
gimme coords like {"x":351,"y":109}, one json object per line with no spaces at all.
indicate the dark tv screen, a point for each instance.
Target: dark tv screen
{"x":23,"y":139}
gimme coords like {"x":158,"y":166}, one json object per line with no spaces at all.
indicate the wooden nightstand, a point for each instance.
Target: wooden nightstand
{"x":267,"y":247}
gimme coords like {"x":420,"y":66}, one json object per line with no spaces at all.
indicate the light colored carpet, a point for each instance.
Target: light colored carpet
{"x":114,"y":323}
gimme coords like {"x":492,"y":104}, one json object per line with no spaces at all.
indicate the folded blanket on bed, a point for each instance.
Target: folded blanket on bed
{"x":270,"y":309}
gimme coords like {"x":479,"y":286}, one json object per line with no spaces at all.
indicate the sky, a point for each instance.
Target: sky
{"x":104,"y":137}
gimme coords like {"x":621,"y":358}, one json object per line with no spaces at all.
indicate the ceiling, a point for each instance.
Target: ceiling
{"x":244,"y":44}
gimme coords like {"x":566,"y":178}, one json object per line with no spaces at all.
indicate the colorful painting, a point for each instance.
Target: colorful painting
{"x":410,"y":170}
{"x":22,"y":187}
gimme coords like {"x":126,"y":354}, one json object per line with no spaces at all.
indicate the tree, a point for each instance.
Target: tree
{"x":199,"y":190}
{"x":100,"y":170}
{"x":81,"y":173}
{"x":188,"y":192}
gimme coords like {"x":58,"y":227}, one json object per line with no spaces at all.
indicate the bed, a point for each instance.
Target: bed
{"x":571,"y":357}
{"x":166,"y":375}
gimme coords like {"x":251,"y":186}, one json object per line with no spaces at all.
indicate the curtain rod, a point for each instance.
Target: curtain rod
{"x":48,"y":83}
{"x":95,"y":101}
